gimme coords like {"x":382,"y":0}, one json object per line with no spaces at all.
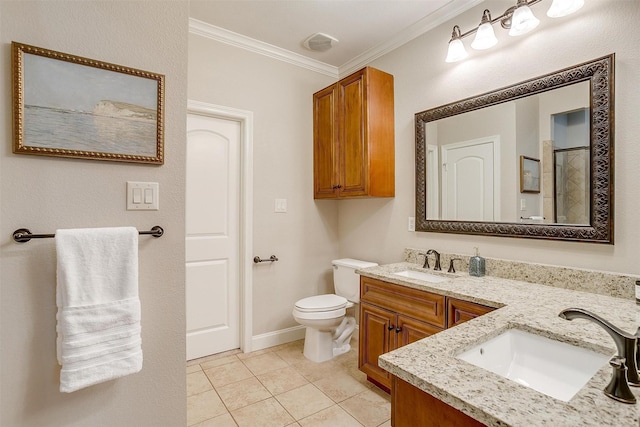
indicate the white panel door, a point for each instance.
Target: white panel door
{"x":468,"y":192}
{"x":212,"y":235}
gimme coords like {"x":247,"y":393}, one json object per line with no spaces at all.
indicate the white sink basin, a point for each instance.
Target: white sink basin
{"x":420,"y":275}
{"x":551,"y":367}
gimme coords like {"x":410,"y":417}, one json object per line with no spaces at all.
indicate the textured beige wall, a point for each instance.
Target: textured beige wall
{"x":377,"y":229}
{"x":305,"y":238}
{"x":44,"y":193}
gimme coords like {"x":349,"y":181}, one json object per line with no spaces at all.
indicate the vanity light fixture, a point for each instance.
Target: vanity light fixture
{"x":523,"y":20}
{"x":518,"y":19}
{"x":560,"y":8}
{"x":485,"y":37}
{"x":456,"y":51}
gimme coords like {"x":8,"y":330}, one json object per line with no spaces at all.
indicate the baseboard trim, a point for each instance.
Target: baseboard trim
{"x":283,"y":336}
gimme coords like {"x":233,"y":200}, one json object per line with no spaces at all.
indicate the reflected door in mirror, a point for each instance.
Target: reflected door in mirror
{"x":468,"y":181}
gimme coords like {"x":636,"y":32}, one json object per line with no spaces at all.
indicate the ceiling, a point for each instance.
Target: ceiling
{"x":365,"y":29}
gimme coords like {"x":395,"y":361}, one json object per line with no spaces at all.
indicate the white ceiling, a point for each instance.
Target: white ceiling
{"x":365,"y":29}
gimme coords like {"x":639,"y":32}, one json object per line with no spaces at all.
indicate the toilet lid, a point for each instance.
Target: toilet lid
{"x":321,"y":303}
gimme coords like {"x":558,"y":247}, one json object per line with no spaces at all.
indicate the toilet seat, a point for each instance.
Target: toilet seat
{"x":328,"y":306}
{"x":319,"y":315}
{"x":318,"y":303}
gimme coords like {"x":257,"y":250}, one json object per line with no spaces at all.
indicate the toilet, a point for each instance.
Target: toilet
{"x":329,"y":330}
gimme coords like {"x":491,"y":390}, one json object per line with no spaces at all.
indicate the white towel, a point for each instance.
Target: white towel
{"x":98,"y":305}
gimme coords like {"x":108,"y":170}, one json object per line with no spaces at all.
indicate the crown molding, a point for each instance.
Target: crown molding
{"x":440,"y":16}
{"x":238,"y":40}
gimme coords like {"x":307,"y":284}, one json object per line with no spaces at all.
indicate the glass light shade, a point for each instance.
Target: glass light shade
{"x":560,"y":8}
{"x":522,"y":21}
{"x":456,"y":51}
{"x":485,"y":37}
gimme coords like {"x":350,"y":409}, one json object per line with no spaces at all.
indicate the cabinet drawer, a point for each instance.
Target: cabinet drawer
{"x":459,"y":311}
{"x":420,"y":305}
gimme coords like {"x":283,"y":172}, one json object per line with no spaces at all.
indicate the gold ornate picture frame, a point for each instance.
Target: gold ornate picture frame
{"x":70,"y":106}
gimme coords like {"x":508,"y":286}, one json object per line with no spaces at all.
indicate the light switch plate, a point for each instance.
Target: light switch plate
{"x":143,"y":196}
{"x":411,"y":224}
{"x":280,"y":206}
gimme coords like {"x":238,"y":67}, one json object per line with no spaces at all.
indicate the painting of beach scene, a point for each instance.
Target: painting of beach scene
{"x":71,"y":106}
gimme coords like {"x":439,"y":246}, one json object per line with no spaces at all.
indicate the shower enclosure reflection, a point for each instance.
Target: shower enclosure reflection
{"x":569,"y":202}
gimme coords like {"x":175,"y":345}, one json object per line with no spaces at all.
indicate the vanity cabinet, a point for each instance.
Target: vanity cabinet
{"x":353,"y":137}
{"x":412,"y":407}
{"x":392,"y":316}
{"x":459,"y":311}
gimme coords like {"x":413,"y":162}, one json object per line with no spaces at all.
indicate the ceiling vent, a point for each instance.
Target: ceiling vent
{"x":319,"y":42}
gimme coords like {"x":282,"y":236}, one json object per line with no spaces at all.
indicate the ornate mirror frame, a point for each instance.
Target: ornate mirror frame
{"x":600,"y":73}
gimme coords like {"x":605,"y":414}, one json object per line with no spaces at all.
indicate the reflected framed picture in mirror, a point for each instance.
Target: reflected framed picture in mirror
{"x":529,"y":175}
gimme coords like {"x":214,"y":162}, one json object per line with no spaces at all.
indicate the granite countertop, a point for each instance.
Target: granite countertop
{"x":431,"y":364}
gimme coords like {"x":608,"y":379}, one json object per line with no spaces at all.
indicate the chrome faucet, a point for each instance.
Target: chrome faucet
{"x":627,"y":346}
{"x":437,"y":266}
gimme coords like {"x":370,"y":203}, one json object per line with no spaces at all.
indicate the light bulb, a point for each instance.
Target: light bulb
{"x":560,"y":8}
{"x":485,"y":37}
{"x":522,"y":21}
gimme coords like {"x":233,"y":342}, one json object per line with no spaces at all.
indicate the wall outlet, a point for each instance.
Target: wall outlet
{"x":411,"y":224}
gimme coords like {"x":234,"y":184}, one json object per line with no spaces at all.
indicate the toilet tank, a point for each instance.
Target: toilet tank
{"x":345,"y":280}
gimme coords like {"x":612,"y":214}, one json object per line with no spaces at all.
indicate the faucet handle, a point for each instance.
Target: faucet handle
{"x":426,"y":263}
{"x":451,"y":269}
{"x":618,"y":388}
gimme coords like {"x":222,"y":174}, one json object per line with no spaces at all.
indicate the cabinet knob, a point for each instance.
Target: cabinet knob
{"x":390,"y":327}
{"x":398,"y":330}
{"x":335,"y":187}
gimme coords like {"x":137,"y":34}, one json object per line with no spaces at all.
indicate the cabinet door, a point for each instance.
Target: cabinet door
{"x":411,"y":407}
{"x":410,"y":330}
{"x":353,"y":135}
{"x":377,"y":328}
{"x":459,"y":311}
{"x":325,"y":145}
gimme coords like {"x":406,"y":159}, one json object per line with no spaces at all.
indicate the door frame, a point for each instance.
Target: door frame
{"x":495,"y":141}
{"x":433,"y":182}
{"x":245,"y":244}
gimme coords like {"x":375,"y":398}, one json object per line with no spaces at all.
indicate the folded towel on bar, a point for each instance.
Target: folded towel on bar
{"x":98,"y":320}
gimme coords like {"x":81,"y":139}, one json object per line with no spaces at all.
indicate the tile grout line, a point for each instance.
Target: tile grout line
{"x":344,"y":364}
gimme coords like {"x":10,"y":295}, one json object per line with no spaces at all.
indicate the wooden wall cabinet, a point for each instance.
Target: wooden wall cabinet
{"x":392,"y":316}
{"x":353,"y":137}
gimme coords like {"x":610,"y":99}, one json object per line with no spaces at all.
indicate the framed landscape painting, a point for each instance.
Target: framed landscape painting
{"x":69,"y":106}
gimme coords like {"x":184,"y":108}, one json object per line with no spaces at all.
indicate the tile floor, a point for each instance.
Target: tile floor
{"x":279,"y":387}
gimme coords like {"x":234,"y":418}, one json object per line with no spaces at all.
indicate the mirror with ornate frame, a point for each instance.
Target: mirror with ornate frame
{"x":593,"y":82}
